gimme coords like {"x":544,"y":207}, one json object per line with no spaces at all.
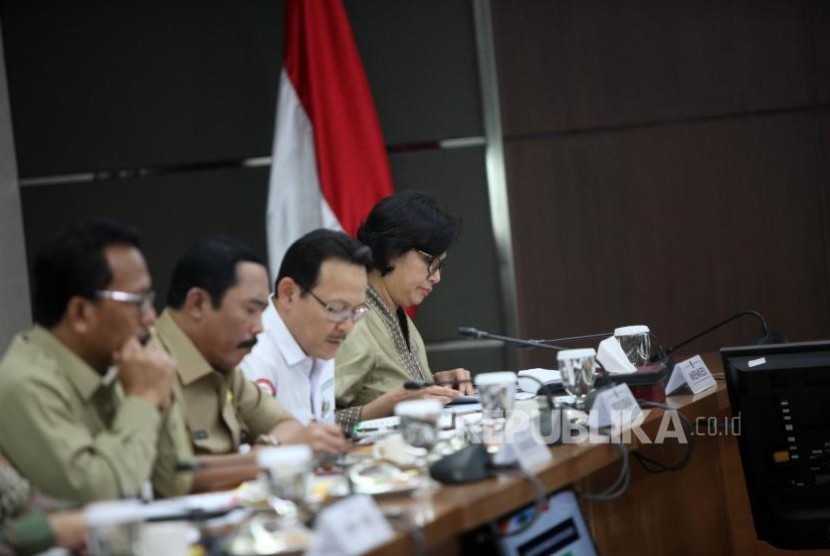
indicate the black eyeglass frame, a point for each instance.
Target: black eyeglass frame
{"x":434,"y":264}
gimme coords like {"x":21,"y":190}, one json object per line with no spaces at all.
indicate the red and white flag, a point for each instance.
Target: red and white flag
{"x":329,"y":163}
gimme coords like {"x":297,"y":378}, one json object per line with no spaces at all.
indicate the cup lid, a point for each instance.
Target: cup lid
{"x":502,"y":377}
{"x":418,"y":407}
{"x":276,"y":456}
{"x":576,"y":353}
{"x":631,"y":330}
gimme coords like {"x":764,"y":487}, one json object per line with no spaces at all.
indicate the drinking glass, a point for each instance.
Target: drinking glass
{"x":497,"y":392}
{"x":635,"y":342}
{"x":419,"y":428}
{"x":578,"y":368}
{"x":287,"y":470}
{"x":113,"y":528}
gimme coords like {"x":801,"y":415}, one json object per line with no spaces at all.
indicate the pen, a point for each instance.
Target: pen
{"x":417,"y":384}
{"x":374,"y":429}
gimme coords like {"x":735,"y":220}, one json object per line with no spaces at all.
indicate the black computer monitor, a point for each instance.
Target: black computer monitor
{"x":782,"y":395}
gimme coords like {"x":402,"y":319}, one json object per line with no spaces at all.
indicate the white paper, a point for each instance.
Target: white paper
{"x":612,"y":357}
{"x":530,"y":379}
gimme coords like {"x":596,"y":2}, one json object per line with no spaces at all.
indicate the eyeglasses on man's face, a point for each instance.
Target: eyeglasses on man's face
{"x":143,"y":301}
{"x":338,"y":312}
{"x":434,"y":264}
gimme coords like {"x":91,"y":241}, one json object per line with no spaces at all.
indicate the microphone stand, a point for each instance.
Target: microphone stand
{"x":764,"y":326}
{"x":574,"y":338}
{"x":471,"y":332}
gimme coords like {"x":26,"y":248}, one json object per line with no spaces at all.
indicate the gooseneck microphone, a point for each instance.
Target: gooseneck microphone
{"x":471,"y":332}
{"x":597,"y":336}
{"x":767,"y":337}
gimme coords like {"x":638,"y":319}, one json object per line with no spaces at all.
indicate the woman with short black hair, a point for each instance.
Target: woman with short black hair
{"x":409,"y":236}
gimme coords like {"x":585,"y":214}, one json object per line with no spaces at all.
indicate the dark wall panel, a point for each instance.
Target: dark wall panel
{"x":420,"y":58}
{"x":469,"y":290}
{"x":819,"y":14}
{"x":676,"y":227}
{"x":590,"y":63}
{"x":481,"y":360}
{"x":170,"y":211}
{"x":101,"y":85}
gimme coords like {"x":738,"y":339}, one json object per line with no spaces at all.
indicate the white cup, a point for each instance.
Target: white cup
{"x":635,"y":342}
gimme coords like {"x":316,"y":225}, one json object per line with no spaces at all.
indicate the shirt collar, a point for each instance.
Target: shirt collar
{"x":83,"y":378}
{"x":288,"y":346}
{"x":192,"y":364}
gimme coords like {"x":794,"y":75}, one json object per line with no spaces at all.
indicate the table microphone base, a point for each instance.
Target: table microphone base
{"x":648,"y":383}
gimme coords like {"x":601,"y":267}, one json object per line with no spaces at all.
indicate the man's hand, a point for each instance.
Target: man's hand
{"x":320,"y":436}
{"x":146,"y":372}
{"x":69,"y":529}
{"x":459,"y":379}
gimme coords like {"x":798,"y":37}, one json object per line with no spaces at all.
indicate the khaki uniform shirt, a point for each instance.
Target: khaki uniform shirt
{"x":76,"y":437}
{"x":368,"y":364}
{"x":221,"y":411}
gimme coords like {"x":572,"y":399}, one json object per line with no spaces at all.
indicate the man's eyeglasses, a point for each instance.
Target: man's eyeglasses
{"x":338,"y":313}
{"x":434,"y":264}
{"x":144,"y":301}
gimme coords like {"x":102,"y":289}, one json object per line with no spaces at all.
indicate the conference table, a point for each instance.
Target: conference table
{"x":702,"y":508}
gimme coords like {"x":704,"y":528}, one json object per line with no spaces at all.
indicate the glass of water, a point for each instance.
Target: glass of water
{"x":287,"y":470}
{"x":113,"y":528}
{"x":497,"y":392}
{"x":420,"y":429}
{"x":635,"y":342}
{"x":578,"y":368}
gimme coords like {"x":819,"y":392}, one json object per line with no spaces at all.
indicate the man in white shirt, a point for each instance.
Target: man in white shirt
{"x":319,"y":294}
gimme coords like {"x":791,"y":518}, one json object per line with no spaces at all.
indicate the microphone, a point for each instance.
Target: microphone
{"x":602,"y":335}
{"x":471,"y":332}
{"x":767,"y":337}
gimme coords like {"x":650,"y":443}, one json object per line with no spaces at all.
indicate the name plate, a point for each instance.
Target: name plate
{"x":615,"y":407}
{"x":523,"y":430}
{"x":351,"y":526}
{"x":692,"y":373}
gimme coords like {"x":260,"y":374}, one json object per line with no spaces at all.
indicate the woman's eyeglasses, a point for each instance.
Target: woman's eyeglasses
{"x":434,"y":264}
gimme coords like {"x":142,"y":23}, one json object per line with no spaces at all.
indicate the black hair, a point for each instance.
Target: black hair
{"x":407,"y":220}
{"x":304,"y":258}
{"x":209,"y":264}
{"x":73,"y":264}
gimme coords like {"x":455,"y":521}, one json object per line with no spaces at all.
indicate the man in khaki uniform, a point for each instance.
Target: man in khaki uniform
{"x":87,"y":408}
{"x":218,"y":292}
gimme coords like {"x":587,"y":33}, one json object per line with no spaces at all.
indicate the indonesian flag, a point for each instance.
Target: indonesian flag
{"x":329,"y":164}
